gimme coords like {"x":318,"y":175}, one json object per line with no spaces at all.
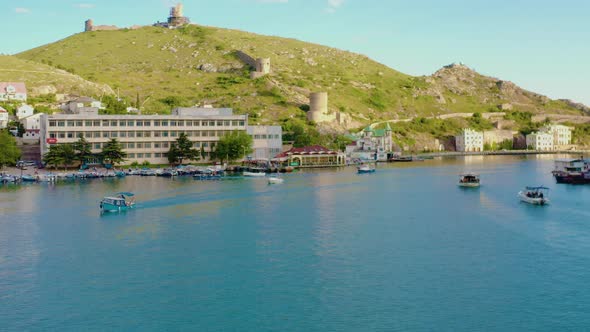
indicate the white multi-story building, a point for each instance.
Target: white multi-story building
{"x":267,"y":142}
{"x":3,"y":118}
{"x":469,"y":141}
{"x":13,"y":91}
{"x":32,"y":125}
{"x":143,"y":137}
{"x":540,"y":141}
{"x":562,"y":135}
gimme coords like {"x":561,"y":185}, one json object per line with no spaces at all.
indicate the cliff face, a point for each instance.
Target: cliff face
{"x":199,"y":64}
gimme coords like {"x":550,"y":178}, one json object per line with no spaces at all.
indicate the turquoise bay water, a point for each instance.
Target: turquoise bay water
{"x":403,"y":249}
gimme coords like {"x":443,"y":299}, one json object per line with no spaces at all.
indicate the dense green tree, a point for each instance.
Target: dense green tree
{"x":233,"y":146}
{"x":113,"y":105}
{"x":113,"y":152}
{"x":54,"y":156}
{"x":9,"y":152}
{"x":68,"y":154}
{"x":19,"y":126}
{"x":182,"y":150}
{"x":83,"y":149}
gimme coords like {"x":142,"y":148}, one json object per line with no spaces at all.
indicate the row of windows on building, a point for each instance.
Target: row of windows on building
{"x":146,"y":123}
{"x":140,"y":134}
{"x":154,"y":145}
{"x":265,"y":136}
{"x":155,"y":155}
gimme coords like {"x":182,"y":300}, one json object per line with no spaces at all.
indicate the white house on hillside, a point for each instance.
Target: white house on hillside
{"x":469,"y":141}
{"x":82,"y":105}
{"x":32,"y":125}
{"x":13,"y":91}
{"x":24,"y":111}
{"x":540,"y":141}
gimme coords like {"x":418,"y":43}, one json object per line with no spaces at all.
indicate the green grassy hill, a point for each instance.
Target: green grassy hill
{"x":158,"y":68}
{"x":42,"y":79}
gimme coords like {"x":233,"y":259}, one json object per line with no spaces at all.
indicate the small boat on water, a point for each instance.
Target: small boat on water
{"x":122,"y":201}
{"x":469,"y":180}
{"x":28,"y":178}
{"x":254,"y":174}
{"x":534,"y":195}
{"x":365,"y":169}
{"x":275,"y":180}
{"x":404,"y":159}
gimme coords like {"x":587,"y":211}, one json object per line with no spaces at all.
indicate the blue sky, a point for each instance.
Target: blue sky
{"x":542,"y":45}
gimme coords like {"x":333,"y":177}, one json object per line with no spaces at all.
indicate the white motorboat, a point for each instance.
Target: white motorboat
{"x":534,"y":195}
{"x":275,"y":180}
{"x":252,"y":174}
{"x":469,"y":180}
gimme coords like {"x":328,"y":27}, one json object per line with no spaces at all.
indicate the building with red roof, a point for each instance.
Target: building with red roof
{"x":13,"y":91}
{"x":312,"y":156}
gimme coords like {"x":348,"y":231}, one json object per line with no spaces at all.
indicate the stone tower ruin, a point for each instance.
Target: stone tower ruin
{"x":88,"y":25}
{"x":318,"y":107}
{"x":177,"y":17}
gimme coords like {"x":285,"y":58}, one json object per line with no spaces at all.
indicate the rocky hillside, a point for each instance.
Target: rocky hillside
{"x":42,"y":79}
{"x":158,"y":68}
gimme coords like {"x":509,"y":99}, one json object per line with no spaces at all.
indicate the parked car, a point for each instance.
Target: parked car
{"x":25,"y":163}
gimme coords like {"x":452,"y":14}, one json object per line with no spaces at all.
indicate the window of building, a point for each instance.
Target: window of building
{"x":122,"y":123}
{"x":97,"y":146}
{"x":189,"y":123}
{"x":62,"y":135}
{"x":88,"y":123}
{"x":114,"y":134}
{"x":157,"y":134}
{"x":105,"y":123}
{"x":256,"y":136}
{"x":197,"y":144}
{"x":70,"y":134}
{"x":114,"y":123}
{"x":234,"y":123}
{"x":164,"y":123}
{"x":147,"y":155}
{"x":172,"y":123}
{"x":52,"y":123}
{"x":173,"y":134}
{"x":96,"y":123}
{"x":180,"y":123}
{"x":131,"y":145}
{"x":139,"y":145}
{"x":156,"y":123}
{"x":157,"y":155}
{"x":226,"y":123}
{"x":130,"y":134}
{"x":88,"y":134}
{"x":131,"y":155}
{"x":139,"y":123}
{"x":70,"y":123}
{"x":196,"y":133}
{"x":122,"y":134}
{"x":165,"y":134}
{"x":105,"y":134}
{"x":205,"y":144}
{"x":96,"y":134}
{"x":157,"y":145}
{"x":130,"y":123}
{"x":196,"y":123}
{"x":147,"y":145}
{"x":139,"y":134}
{"x":211,"y":123}
{"x":241,"y":123}
{"x":61,"y":123}
{"x":165,"y":145}
{"x":140,"y":155}
{"x":147,"y":134}
{"x":52,"y":135}
{"x":147,"y":123}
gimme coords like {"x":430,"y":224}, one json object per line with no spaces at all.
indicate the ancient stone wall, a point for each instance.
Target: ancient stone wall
{"x":246,"y":59}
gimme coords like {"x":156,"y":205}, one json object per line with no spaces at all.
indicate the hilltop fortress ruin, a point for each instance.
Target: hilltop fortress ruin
{"x":175,"y":20}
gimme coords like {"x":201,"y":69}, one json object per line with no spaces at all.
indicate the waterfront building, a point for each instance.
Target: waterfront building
{"x":562,"y":135}
{"x":13,"y":91}
{"x":3,"y":118}
{"x":143,"y":137}
{"x":312,"y":156}
{"x":267,"y":142}
{"x":373,"y":144}
{"x":540,"y":141}
{"x":469,"y":141}
{"x":24,"y":111}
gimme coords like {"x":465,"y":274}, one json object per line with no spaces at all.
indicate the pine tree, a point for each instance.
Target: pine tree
{"x":113,"y":152}
{"x":83,"y":149}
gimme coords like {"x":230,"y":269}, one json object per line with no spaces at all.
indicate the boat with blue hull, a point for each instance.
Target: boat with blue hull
{"x":119,"y":202}
{"x":365,"y":169}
